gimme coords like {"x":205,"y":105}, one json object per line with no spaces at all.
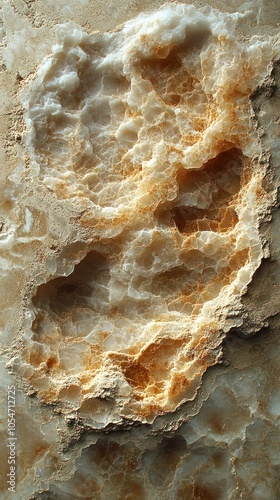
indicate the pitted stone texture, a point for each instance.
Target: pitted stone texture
{"x":146,"y":132}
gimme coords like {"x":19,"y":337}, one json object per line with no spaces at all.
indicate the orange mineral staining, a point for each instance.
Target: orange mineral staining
{"x":146,"y":131}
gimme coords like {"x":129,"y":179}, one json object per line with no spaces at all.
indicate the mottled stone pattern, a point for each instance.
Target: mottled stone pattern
{"x":146,"y":130}
{"x":139,"y":257}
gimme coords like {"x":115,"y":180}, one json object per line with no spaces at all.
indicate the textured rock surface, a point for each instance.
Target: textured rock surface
{"x":139,"y":251}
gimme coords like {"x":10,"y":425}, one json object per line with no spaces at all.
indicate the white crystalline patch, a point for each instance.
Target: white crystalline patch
{"x":147,"y":131}
{"x":28,"y":221}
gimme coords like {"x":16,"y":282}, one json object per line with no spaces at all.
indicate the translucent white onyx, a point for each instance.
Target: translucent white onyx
{"x":146,"y":132}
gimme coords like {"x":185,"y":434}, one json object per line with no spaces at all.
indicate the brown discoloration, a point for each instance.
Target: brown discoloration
{"x":51,"y":362}
{"x":238,"y":260}
{"x":196,"y":491}
{"x":137,"y":375}
{"x":216,"y":422}
{"x":147,"y":372}
{"x":220,"y":215}
{"x":170,"y":79}
{"x":178,"y":386}
{"x":88,"y":487}
{"x":132,"y":490}
{"x":218,"y":458}
{"x":205,"y":493}
{"x":105,"y":453}
{"x":36,"y":355}
{"x":41,"y":449}
{"x":7,"y":205}
{"x":229,"y":220}
{"x":158,"y":358}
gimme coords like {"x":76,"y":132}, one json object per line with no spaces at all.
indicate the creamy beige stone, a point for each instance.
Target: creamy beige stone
{"x":135,"y":183}
{"x":147,"y":131}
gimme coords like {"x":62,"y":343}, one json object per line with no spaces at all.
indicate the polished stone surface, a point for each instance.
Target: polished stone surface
{"x":139,"y":256}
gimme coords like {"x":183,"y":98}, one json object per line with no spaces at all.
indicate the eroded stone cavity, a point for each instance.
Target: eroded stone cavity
{"x":147,"y":132}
